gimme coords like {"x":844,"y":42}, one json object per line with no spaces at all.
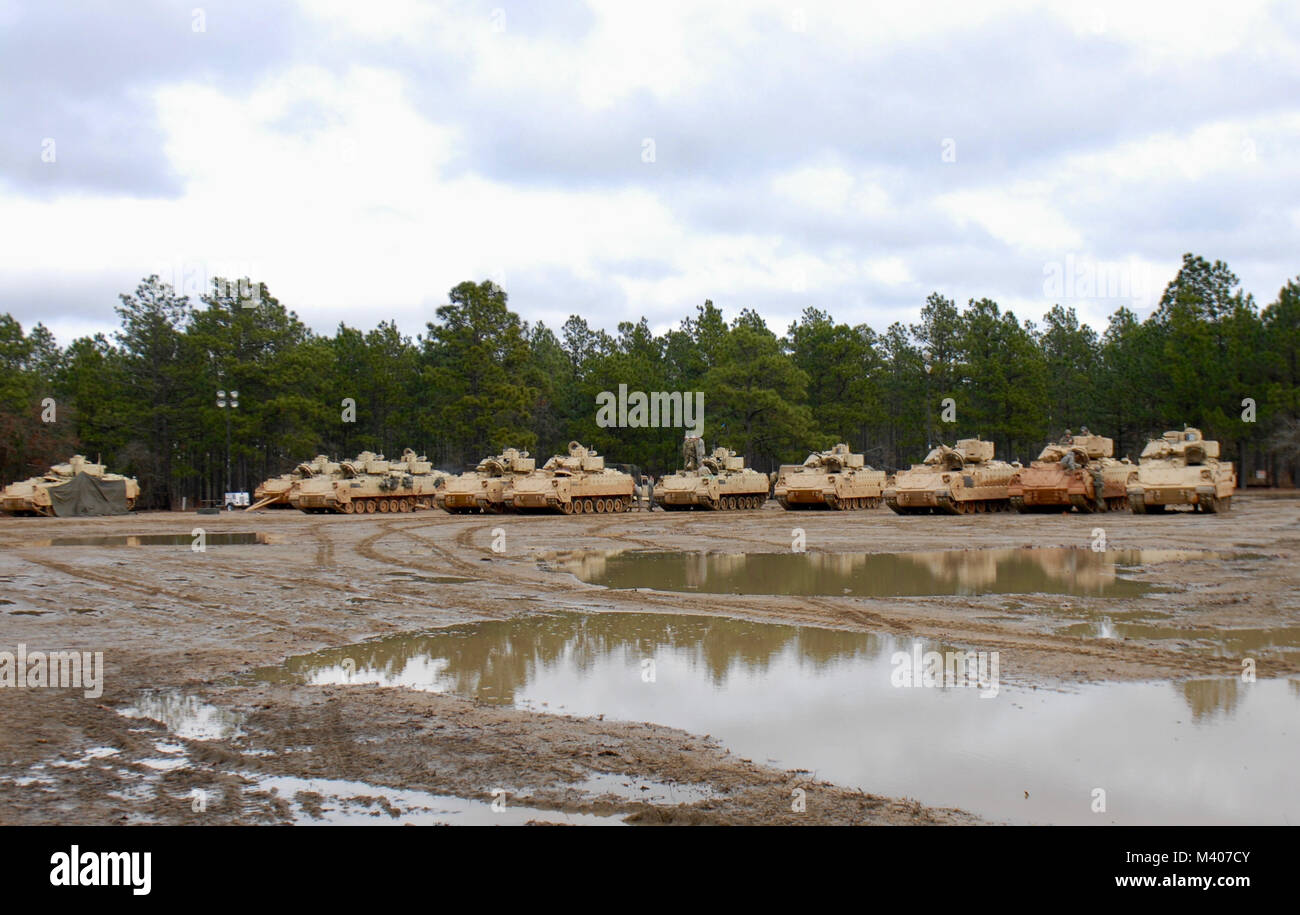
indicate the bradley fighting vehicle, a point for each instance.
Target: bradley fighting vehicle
{"x":718,"y":481}
{"x":369,"y":484}
{"x":837,"y":479}
{"x":1182,"y":468}
{"x":274,"y":493}
{"x":573,"y":483}
{"x":484,"y":487}
{"x":1078,"y":471}
{"x":32,"y":496}
{"x":961,"y":480}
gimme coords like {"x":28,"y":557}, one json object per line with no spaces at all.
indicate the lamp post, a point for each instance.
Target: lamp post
{"x":929,"y":406}
{"x":227,"y":404}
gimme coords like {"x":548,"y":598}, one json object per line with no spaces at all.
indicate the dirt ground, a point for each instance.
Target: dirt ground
{"x":172,"y":618}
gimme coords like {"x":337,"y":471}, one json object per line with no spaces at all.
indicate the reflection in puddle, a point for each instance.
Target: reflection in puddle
{"x":185,"y":715}
{"x":1226,"y":643}
{"x":1054,"y":570}
{"x":822,"y":700}
{"x":337,"y":802}
{"x":489,"y":661}
{"x":211,"y":538}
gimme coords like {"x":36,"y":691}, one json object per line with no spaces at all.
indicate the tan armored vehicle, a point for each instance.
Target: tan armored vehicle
{"x":484,"y":488}
{"x":573,"y":483}
{"x":720,"y":481}
{"x":837,"y":479}
{"x":1182,"y":468}
{"x":961,"y":480}
{"x":75,"y":488}
{"x":1076,"y":472}
{"x":274,"y":493}
{"x":369,"y":484}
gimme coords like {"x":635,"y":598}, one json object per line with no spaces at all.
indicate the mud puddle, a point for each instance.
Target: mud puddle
{"x":338,"y":802}
{"x":825,"y":701}
{"x":1225,"y":643}
{"x":184,"y":714}
{"x":210,"y":539}
{"x":1025,"y":570}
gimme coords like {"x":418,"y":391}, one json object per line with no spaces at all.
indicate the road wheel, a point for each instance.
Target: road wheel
{"x":348,"y":508}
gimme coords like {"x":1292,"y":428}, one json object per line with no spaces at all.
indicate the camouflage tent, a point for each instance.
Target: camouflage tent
{"x":87,"y":495}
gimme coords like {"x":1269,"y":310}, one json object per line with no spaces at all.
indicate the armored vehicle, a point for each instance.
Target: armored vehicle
{"x":274,"y":493}
{"x":837,"y":479}
{"x":961,"y":480}
{"x":484,"y":488}
{"x":369,"y":484}
{"x":1182,"y":468}
{"x":1076,"y":472}
{"x":77,"y":487}
{"x":720,"y":481}
{"x":573,"y":483}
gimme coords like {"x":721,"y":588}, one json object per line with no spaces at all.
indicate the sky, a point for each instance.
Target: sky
{"x":621,"y":160}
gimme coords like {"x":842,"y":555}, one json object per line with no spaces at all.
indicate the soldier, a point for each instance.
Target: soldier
{"x":1067,"y":438}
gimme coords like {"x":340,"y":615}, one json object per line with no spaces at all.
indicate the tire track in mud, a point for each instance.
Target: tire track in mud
{"x":367,"y":548}
{"x":115,"y":583}
{"x":324,"y":548}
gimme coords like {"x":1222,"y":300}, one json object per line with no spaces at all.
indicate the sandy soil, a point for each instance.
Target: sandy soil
{"x":172,"y":618}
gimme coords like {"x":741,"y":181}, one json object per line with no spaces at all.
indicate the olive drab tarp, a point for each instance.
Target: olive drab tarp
{"x":86,"y":495}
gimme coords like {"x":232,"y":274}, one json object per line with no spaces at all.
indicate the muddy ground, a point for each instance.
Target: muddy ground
{"x":168,"y":617}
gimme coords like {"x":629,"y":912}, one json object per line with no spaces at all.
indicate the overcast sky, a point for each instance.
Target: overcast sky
{"x":616,"y":160}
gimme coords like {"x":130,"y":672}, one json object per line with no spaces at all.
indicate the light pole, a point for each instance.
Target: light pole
{"x":929,"y":406}
{"x":227,"y":404}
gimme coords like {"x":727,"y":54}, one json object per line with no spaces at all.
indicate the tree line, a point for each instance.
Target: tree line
{"x":481,"y":378}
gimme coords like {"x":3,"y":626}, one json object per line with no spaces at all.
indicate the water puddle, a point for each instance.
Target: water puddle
{"x":211,"y":539}
{"x":1203,"y":751}
{"x":337,"y":802}
{"x":1024,"y":570}
{"x":185,"y":715}
{"x":1225,"y":643}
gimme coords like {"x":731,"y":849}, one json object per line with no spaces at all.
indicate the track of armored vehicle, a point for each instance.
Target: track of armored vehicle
{"x":33,"y":496}
{"x":961,"y":480}
{"x":370,"y":484}
{"x":718,"y":482}
{"x":836,"y":479}
{"x":572,"y":484}
{"x":275,"y":492}
{"x":1182,"y":468}
{"x":1077,"y":472}
{"x":483,"y":489}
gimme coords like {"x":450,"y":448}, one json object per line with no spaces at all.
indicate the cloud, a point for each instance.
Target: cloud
{"x":363,"y":158}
